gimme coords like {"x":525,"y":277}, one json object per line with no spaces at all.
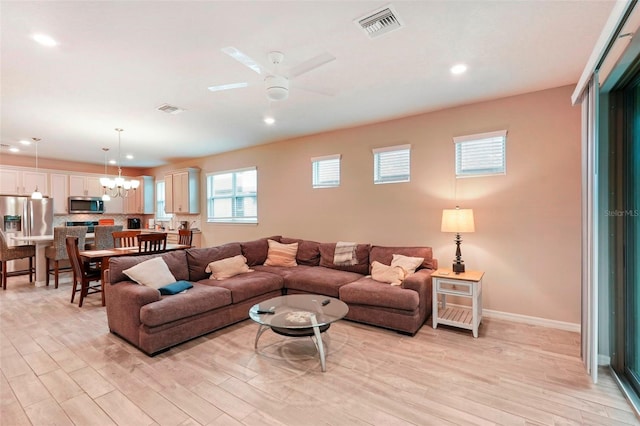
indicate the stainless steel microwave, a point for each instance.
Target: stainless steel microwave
{"x":86,"y":205}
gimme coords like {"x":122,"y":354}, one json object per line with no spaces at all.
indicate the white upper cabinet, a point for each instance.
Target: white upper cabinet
{"x":23,"y":182}
{"x":182,"y":193}
{"x":84,"y":186}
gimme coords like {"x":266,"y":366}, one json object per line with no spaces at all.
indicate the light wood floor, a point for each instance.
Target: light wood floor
{"x":60,"y":365}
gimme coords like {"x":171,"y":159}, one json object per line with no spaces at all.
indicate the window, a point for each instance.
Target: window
{"x":160,"y":202}
{"x":392,"y":164}
{"x":482,"y":154}
{"x":326,"y":171}
{"x":233,"y":196}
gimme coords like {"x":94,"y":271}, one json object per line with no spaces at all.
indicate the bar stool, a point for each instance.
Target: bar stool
{"x":8,"y":253}
{"x":57,"y":253}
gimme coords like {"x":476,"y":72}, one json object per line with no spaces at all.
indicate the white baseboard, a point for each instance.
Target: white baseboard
{"x":544,"y":322}
{"x":604,"y":360}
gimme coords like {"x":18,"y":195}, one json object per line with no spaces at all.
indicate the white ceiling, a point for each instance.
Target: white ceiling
{"x":117,"y":61}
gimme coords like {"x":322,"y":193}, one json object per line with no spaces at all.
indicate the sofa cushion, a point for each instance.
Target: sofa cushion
{"x":281,"y":254}
{"x":247,"y":286}
{"x":227,"y":268}
{"x":384,"y":255}
{"x":256,"y":251}
{"x":283,"y":271}
{"x":367,"y":291}
{"x":327,"y":251}
{"x":199,"y":299}
{"x":199,"y":258}
{"x":319,"y":280}
{"x":175,"y":260}
{"x":393,"y":275}
{"x":152,"y":273}
{"x":308,"y":251}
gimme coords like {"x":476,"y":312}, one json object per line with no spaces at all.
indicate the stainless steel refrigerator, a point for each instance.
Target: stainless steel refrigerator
{"x":24,"y":217}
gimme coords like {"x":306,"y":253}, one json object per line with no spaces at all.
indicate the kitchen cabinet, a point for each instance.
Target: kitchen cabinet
{"x":85,"y":186}
{"x":115,"y":205}
{"x":182,"y":194}
{"x":59,"y":185}
{"x":23,"y":182}
{"x":141,"y":201}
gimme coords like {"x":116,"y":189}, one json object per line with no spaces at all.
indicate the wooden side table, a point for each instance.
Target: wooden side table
{"x":467,"y":284}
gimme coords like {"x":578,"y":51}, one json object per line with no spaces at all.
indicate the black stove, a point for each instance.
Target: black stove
{"x":90,"y":224}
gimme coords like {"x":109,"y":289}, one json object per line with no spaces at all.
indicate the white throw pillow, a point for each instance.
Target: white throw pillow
{"x":229,"y":267}
{"x":387,"y":274}
{"x":409,"y":264}
{"x":281,"y":254}
{"x":151,"y":273}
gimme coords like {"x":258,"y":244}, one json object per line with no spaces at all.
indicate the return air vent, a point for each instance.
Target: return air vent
{"x":379,"y":22}
{"x":170,"y":109}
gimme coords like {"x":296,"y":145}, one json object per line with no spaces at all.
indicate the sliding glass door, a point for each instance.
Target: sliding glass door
{"x":624,"y":226}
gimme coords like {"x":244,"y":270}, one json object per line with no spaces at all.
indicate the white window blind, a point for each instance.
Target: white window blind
{"x":481,"y":154}
{"x":326,"y":171}
{"x":392,"y":164}
{"x":232,"y":196}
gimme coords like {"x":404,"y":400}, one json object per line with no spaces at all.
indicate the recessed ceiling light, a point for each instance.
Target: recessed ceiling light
{"x":45,"y":40}
{"x":269,"y":120}
{"x":14,"y":149}
{"x":129,"y":157}
{"x":113,"y":162}
{"x":458,"y":69}
{"x":25,"y":142}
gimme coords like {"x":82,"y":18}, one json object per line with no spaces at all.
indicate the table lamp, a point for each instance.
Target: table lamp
{"x":457,"y":220}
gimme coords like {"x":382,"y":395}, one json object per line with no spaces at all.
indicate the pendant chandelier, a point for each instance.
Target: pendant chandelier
{"x":36,"y":194}
{"x":104,"y":181}
{"x":118,"y":187}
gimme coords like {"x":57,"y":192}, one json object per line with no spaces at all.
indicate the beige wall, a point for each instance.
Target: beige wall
{"x":527,"y":235}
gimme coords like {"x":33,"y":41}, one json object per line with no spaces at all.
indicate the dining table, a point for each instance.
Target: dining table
{"x":103,"y":255}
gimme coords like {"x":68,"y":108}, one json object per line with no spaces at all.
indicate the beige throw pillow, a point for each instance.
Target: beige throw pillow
{"x":409,"y":264}
{"x":387,"y":274}
{"x":229,"y":267}
{"x":152,"y":273}
{"x":281,"y":254}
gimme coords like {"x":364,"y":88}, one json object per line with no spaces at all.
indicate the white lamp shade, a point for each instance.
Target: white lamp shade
{"x":36,"y":195}
{"x":457,"y":220}
{"x":119,"y":181}
{"x":135,"y":184}
{"x":104,"y":181}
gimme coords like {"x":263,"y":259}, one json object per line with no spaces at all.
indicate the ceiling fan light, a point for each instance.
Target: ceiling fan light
{"x":277,"y":87}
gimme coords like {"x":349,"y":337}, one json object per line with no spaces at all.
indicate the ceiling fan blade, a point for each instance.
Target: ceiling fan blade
{"x":311,"y":64}
{"x":227,"y":86}
{"x":318,"y":90}
{"x":244,"y":59}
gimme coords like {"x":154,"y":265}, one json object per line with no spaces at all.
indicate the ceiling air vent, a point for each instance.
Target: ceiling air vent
{"x":170,"y":109}
{"x":379,"y":22}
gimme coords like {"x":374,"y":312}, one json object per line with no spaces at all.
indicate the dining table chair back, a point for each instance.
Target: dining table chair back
{"x":8,"y":253}
{"x":103,"y":237}
{"x":125,"y":238}
{"x":82,"y":274}
{"x":152,"y":243}
{"x":57,"y":252}
{"x":185,"y":236}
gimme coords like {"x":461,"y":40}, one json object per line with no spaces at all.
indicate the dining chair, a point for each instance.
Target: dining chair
{"x":103,"y":237}
{"x":57,"y":252}
{"x":125,"y":238}
{"x":185,"y":236}
{"x":8,"y":253}
{"x":152,"y":243}
{"x":82,"y":274}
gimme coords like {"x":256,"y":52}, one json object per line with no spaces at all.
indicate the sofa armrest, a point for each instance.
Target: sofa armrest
{"x":419,"y":281}
{"x":124,"y":301}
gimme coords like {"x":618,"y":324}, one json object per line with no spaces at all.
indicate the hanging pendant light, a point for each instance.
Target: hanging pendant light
{"x":36,"y":194}
{"x":119,"y":186}
{"x":104,"y":181}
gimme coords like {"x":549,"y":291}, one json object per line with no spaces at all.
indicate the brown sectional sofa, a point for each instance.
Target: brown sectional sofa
{"x":153,"y":323}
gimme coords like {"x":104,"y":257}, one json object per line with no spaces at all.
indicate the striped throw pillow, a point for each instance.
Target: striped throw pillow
{"x":281,"y":254}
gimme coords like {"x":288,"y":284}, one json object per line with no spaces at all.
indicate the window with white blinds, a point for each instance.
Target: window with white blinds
{"x":392,"y":164}
{"x":481,"y":154}
{"x":232,"y":196}
{"x":326,"y":171}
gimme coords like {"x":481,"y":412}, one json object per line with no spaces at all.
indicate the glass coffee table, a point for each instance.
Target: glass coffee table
{"x":299,"y":315}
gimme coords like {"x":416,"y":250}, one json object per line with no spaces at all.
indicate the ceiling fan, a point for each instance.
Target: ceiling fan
{"x":276,"y":84}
